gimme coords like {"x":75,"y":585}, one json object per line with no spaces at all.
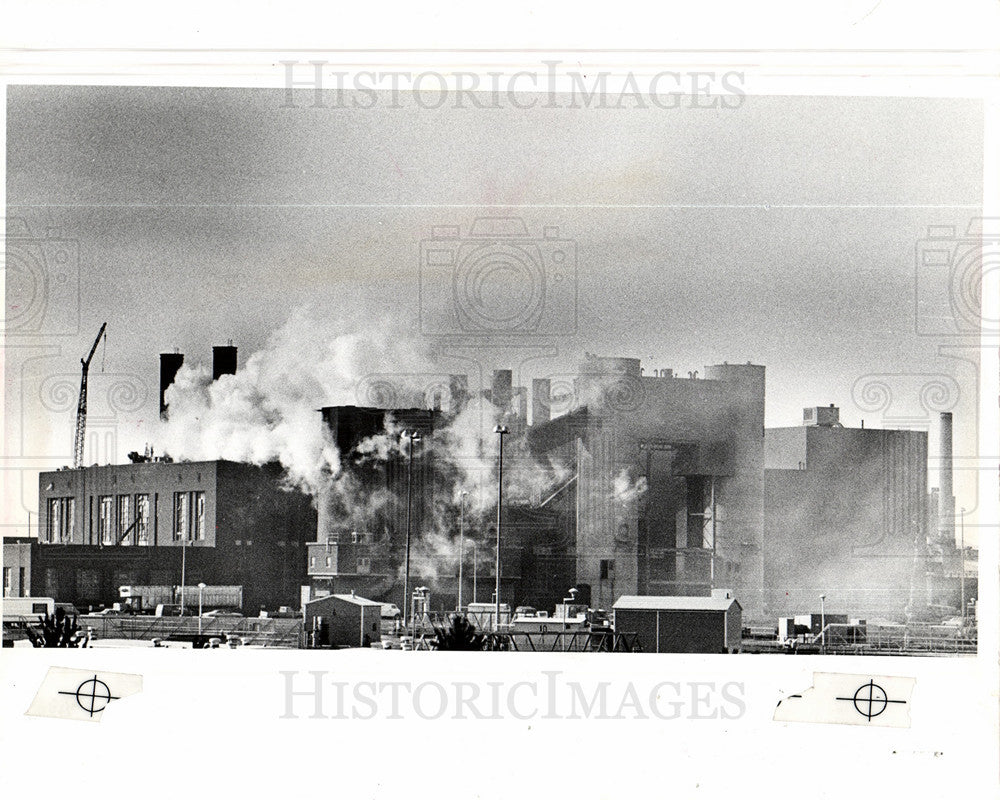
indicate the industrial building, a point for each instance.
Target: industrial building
{"x":157,"y":522}
{"x":666,"y":488}
{"x":845,"y":516}
{"x":682,"y":624}
{"x":652,"y":484}
{"x":145,"y":523}
{"x":361,"y":523}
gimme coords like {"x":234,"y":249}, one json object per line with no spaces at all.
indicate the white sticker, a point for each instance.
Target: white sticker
{"x":81,"y":694}
{"x":839,"y":699}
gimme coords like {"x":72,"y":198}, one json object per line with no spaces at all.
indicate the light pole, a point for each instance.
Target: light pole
{"x":461,"y":545}
{"x":414,"y":437}
{"x":961,"y":558}
{"x":475,"y":571}
{"x":201,"y":588}
{"x":501,"y":431}
{"x":822,"y":623}
{"x":183,"y":568}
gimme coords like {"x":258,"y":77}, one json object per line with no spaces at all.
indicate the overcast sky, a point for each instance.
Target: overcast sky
{"x":207,"y":215}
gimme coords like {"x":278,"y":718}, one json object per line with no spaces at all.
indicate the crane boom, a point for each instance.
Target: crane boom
{"x":81,"y":406}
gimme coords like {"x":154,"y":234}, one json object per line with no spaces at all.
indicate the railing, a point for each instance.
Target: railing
{"x":568,"y":641}
{"x":846,"y":639}
{"x":259,"y":631}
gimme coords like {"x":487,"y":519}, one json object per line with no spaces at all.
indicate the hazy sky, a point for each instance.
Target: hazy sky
{"x":206,"y":215}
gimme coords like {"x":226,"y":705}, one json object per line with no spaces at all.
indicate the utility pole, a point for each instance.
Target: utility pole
{"x":183,"y":565}
{"x":501,"y":431}
{"x":461,"y":545}
{"x":822,"y":622}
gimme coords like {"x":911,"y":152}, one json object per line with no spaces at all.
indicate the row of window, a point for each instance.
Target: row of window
{"x":356,"y":537}
{"x":124,"y":519}
{"x":364,"y":564}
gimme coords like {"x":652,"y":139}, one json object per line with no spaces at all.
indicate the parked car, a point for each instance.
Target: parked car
{"x":222,"y":612}
{"x":391,"y":611}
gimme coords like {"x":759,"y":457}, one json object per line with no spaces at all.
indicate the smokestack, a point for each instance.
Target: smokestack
{"x":458,"y":388}
{"x":223,"y":360}
{"x":541,"y":400}
{"x":502,"y":390}
{"x":170,"y":363}
{"x":946,"y":502}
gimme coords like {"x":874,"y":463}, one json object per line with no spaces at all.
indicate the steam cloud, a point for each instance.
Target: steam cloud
{"x":268,"y":411}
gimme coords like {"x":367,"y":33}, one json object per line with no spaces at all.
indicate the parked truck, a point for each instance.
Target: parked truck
{"x":145,"y":599}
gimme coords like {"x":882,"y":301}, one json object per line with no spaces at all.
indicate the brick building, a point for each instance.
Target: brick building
{"x":102,"y":527}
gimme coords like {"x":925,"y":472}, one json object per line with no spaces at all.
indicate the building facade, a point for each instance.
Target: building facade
{"x":145,"y":523}
{"x":17,"y":566}
{"x":846,"y":517}
{"x":666,"y":493}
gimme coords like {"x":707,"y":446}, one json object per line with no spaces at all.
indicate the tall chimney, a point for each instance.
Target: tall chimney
{"x":458,"y":388}
{"x":170,"y":363}
{"x":946,"y":500}
{"x":502,"y":390}
{"x":223,"y":360}
{"x":541,"y":400}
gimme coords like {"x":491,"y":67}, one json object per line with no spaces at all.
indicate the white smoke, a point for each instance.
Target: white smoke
{"x":267,"y":411}
{"x":626,"y":489}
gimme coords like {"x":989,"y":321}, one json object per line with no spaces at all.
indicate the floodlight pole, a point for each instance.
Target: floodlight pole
{"x":501,"y":431}
{"x":461,"y":545}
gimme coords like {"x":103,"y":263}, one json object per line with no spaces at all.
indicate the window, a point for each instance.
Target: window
{"x":61,"y":520}
{"x":142,"y":518}
{"x":22,"y":590}
{"x":199,"y":515}
{"x":312,"y":561}
{"x":88,"y":582}
{"x":329,"y":561}
{"x":52,"y":582}
{"x":105,"y":519}
{"x":364,"y":566}
{"x":181,"y":515}
{"x":189,"y":515}
{"x":124,"y":532}
{"x":8,"y":575}
{"x":607,"y":567}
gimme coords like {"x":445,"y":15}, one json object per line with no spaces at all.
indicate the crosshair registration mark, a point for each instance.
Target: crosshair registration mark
{"x":93,"y":695}
{"x":870,"y":700}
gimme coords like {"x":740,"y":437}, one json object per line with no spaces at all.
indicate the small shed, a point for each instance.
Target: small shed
{"x":666,"y":624}
{"x":343,"y":620}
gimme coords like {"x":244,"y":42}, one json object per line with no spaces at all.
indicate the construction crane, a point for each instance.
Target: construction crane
{"x":81,"y":406}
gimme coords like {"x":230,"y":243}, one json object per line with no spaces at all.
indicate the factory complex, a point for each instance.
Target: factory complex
{"x":656,"y":501}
